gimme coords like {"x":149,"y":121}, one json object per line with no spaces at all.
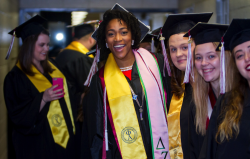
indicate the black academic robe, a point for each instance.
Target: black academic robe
{"x":237,"y":147}
{"x":31,"y":136}
{"x":94,"y":112}
{"x":195,"y":139}
{"x":75,"y":67}
{"x":184,"y":117}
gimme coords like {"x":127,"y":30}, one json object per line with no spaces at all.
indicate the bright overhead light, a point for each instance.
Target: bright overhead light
{"x":59,"y":36}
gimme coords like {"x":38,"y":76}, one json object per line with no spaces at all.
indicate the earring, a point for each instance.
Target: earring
{"x":107,"y":45}
{"x":133,"y":42}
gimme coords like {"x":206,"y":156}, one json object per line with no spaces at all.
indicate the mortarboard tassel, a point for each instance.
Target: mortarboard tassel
{"x":11,"y":45}
{"x":189,"y":61}
{"x":222,"y":69}
{"x":153,"y":45}
{"x":106,"y":120}
{"x":166,"y":64}
{"x":94,"y":67}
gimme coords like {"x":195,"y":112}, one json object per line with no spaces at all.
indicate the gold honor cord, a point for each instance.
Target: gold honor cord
{"x":55,"y":115}
{"x":75,"y":45}
{"x":174,"y":128}
{"x":123,"y":112}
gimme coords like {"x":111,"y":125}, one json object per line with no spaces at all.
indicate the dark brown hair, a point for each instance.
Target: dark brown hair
{"x":177,"y":75}
{"x":25,"y":55}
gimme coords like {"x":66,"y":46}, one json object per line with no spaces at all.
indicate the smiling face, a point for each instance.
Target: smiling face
{"x":207,"y":62}
{"x":242,"y":59}
{"x":41,"y":48}
{"x":178,"y":46}
{"x":119,"y":40}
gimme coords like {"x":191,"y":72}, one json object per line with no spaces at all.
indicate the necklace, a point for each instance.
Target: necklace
{"x":136,"y":99}
{"x":126,"y":68}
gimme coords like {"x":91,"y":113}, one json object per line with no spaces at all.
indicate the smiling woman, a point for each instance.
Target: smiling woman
{"x":206,"y":87}
{"x":40,"y":113}
{"x":229,"y":124}
{"x":178,"y":49}
{"x":207,"y":63}
{"x":119,"y":41}
{"x":242,"y":56}
{"x":125,"y":109}
{"x":34,"y":51}
{"x":126,"y":27}
{"x":173,"y":30}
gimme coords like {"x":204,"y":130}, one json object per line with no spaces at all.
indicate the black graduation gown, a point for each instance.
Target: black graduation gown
{"x":93,"y":117}
{"x":195,"y":139}
{"x":75,"y":67}
{"x":32,"y":137}
{"x":235,"y":148}
{"x":184,"y":117}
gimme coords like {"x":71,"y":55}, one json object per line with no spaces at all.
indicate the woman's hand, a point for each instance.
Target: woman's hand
{"x":50,"y":94}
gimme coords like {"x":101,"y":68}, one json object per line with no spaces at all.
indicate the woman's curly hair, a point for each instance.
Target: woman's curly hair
{"x":132,"y":24}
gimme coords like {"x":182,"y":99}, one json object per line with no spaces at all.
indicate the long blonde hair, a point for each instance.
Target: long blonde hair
{"x":201,"y":89}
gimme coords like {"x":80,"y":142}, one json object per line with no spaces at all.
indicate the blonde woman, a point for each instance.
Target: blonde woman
{"x":206,"y":86}
{"x":180,"y":98}
{"x":228,"y":132}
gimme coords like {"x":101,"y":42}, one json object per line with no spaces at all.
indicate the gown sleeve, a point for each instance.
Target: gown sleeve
{"x":93,"y":117}
{"x":23,"y":103}
{"x":209,"y":146}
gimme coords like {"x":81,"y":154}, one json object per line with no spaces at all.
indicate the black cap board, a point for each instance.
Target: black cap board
{"x":204,"y":32}
{"x":237,"y":33}
{"x":85,"y":28}
{"x":30,"y":27}
{"x":144,"y":29}
{"x":154,"y":34}
{"x":177,"y":23}
{"x":91,"y":52}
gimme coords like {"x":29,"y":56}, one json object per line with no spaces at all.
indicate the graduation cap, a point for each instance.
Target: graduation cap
{"x":237,"y":33}
{"x":144,"y":28}
{"x":204,"y":33}
{"x":177,"y":23}
{"x":153,"y":34}
{"x":87,"y":22}
{"x":82,"y":29}
{"x":152,"y":37}
{"x":91,"y":52}
{"x":28,"y":28}
{"x":31,"y":27}
{"x":148,"y":38}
